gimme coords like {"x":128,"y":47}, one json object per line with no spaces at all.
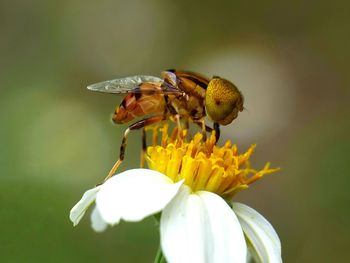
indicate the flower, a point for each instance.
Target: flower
{"x":192,"y":184}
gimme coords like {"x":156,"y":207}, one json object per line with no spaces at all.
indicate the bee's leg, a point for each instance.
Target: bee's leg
{"x":204,"y":130}
{"x":144,"y":148}
{"x":204,"y":127}
{"x":135,"y":126}
{"x":217,"y":131}
{"x":186,"y":125}
{"x":178,"y":122}
{"x":155,"y":135}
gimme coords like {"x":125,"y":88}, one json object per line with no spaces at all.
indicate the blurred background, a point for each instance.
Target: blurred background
{"x":289,"y":59}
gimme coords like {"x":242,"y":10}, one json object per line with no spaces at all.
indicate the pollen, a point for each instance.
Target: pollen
{"x":203,"y":165}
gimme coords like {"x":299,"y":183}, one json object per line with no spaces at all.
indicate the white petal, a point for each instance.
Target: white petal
{"x":134,"y":195}
{"x":78,"y":211}
{"x":97,"y":223}
{"x":180,"y":225}
{"x":260,"y":233}
{"x":201,"y":227}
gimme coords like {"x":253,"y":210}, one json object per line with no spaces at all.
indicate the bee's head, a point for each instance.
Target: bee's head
{"x":223,"y":101}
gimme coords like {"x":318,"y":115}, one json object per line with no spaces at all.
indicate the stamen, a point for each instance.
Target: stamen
{"x":202,"y":164}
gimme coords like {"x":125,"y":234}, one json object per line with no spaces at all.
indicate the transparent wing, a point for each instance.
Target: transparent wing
{"x":124,"y":85}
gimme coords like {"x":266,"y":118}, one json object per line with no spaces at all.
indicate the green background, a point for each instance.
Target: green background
{"x":289,"y":59}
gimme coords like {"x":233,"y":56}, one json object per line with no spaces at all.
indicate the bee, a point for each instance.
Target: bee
{"x":178,"y":95}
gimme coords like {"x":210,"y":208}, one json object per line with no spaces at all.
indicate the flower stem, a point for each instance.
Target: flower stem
{"x":159,"y":257}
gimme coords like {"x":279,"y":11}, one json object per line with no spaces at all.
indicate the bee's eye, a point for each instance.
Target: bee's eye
{"x":222,"y":101}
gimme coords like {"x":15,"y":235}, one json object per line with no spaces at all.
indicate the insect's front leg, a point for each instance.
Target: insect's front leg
{"x":217,"y":131}
{"x":144,"y":148}
{"x":204,"y":127}
{"x":135,"y":126}
{"x":201,"y":123}
{"x":177,"y":131}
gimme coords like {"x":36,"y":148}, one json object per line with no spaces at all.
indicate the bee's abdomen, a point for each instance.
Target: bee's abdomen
{"x":137,"y":105}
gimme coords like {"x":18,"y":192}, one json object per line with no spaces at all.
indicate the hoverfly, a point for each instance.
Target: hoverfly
{"x":179,"y":95}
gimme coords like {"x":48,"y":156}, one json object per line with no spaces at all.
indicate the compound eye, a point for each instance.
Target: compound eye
{"x":223,"y":101}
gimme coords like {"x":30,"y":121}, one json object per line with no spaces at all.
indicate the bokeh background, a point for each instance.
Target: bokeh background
{"x":290,"y":60}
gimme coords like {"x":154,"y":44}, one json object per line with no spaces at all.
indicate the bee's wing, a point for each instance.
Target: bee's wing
{"x":124,"y":85}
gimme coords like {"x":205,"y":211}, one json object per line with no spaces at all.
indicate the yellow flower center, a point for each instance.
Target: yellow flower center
{"x":203,"y":165}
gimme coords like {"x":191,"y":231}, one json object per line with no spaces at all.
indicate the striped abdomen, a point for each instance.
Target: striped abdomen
{"x":145,"y":100}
